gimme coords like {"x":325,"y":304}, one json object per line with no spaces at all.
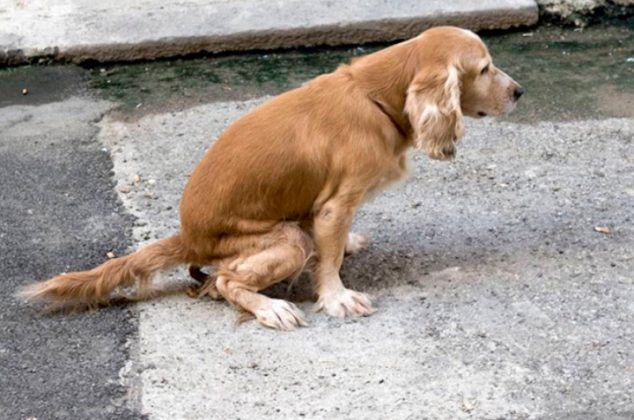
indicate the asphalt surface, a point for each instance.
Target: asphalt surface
{"x":59,"y":212}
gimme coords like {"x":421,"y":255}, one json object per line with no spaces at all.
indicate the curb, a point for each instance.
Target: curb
{"x":149,"y":31}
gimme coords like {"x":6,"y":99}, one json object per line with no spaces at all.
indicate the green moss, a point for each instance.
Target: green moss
{"x":215,"y":78}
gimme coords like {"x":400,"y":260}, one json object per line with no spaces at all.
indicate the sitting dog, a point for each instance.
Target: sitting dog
{"x":283,"y":182}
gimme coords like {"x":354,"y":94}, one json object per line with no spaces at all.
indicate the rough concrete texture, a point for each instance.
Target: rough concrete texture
{"x":81,"y":30}
{"x":58,"y":212}
{"x":496,"y":296}
{"x":565,"y":9}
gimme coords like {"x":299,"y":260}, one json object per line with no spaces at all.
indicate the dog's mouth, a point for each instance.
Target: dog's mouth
{"x":510,"y":107}
{"x":482,"y":114}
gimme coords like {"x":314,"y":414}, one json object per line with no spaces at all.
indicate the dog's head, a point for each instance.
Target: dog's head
{"x":454,"y":76}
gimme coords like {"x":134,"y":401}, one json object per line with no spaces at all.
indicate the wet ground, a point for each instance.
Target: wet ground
{"x":570,"y":74}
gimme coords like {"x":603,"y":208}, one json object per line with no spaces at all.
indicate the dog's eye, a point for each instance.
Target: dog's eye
{"x":485,"y":69}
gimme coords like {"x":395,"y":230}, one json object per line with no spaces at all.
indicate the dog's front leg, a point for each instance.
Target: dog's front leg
{"x":330,"y":232}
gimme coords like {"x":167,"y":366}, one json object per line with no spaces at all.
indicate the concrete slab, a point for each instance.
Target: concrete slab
{"x":496,"y":297}
{"x":79,"y":30}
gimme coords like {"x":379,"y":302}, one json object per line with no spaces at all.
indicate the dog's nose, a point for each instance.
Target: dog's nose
{"x":518,"y":92}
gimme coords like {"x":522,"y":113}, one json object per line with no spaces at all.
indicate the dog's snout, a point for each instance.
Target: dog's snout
{"x":518,"y":92}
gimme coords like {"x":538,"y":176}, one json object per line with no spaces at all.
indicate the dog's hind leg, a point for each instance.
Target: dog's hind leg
{"x":283,"y":254}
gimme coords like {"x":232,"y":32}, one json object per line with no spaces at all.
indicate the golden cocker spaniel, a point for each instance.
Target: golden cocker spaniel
{"x":281,"y":184}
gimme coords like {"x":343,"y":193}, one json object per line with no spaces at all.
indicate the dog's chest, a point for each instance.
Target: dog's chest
{"x":392,"y":174}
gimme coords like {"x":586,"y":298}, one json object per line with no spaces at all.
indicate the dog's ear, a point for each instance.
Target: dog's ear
{"x":433,"y":108}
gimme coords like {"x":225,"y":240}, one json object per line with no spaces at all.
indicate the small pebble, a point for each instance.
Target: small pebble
{"x":467,"y":406}
{"x":602,"y":229}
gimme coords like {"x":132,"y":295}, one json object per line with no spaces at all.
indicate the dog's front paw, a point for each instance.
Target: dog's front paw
{"x":345,"y":302}
{"x":356,"y":243}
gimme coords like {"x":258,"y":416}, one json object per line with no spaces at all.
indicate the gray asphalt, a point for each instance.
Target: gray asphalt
{"x":58,"y":212}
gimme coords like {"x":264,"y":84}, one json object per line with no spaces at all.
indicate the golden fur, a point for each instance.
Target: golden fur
{"x":283,"y":182}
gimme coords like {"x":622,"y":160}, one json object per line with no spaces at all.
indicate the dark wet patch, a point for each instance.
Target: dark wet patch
{"x":35,"y":85}
{"x":156,"y":86}
{"x":568,"y":73}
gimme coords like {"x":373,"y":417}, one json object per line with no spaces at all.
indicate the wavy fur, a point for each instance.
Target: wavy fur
{"x":93,"y":287}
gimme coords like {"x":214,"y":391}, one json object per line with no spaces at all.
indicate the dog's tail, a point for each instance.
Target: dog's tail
{"x":94,"y":287}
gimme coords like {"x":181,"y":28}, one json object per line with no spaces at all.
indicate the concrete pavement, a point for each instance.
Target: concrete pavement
{"x":120,"y":30}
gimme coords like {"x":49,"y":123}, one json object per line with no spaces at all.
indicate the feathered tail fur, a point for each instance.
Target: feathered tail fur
{"x":94,"y":287}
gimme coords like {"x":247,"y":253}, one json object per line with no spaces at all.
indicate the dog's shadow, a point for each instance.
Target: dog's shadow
{"x":377,"y":268}
{"x":399,"y":260}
